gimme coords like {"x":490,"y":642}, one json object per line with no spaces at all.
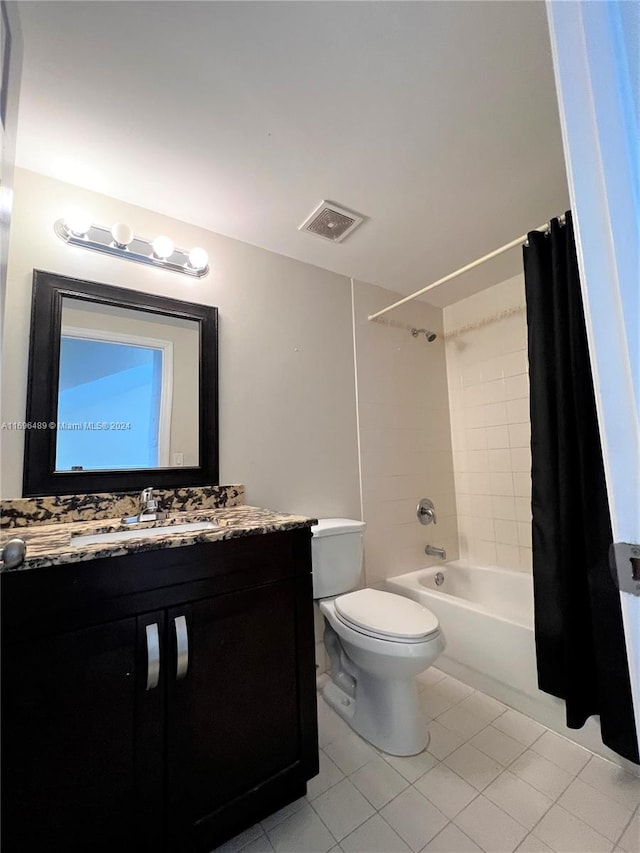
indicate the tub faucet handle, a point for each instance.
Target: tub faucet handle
{"x":426,"y":512}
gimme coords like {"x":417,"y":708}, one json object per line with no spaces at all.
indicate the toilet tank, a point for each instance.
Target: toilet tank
{"x":336,"y":555}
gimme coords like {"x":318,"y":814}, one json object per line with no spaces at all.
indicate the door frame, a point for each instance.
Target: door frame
{"x":598,"y":100}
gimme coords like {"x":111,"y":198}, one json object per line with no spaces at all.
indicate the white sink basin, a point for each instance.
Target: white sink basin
{"x":123,"y":535}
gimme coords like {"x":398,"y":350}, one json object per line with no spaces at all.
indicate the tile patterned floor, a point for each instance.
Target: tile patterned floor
{"x":491,"y":781}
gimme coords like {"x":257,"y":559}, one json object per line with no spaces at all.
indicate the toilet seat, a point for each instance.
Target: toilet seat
{"x":386,"y":616}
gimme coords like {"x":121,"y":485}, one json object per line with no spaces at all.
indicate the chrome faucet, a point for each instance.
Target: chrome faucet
{"x":149,"y":509}
{"x":432,"y":551}
{"x":148,"y":506}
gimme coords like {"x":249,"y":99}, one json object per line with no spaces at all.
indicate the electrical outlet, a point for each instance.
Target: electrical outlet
{"x":178,"y":460}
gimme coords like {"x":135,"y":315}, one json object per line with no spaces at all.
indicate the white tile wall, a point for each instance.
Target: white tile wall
{"x":405,"y":436}
{"x":489,"y":398}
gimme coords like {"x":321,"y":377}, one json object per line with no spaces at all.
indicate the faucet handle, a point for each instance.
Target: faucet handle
{"x":426,"y":511}
{"x":148,"y":503}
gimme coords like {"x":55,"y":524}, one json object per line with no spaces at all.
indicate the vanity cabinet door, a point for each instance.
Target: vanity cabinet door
{"x":75,"y":739}
{"x":241,"y":736}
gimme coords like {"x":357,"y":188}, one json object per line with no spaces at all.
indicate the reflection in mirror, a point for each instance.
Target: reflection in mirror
{"x":122,"y":390}
{"x":127,"y":390}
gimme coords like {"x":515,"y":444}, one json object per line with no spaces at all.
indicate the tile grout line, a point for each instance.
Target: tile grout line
{"x":635,"y":812}
{"x":481,"y":792}
{"x":412,"y":785}
{"x":338,"y":840}
{"x":526,"y":747}
{"x":554,"y":801}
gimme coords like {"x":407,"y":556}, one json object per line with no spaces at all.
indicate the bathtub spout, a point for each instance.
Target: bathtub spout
{"x":432,"y":551}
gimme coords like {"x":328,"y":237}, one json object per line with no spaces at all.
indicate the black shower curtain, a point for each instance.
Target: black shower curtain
{"x":580,"y":642}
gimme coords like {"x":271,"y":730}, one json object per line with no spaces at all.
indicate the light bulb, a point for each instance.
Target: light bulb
{"x":78,"y":222}
{"x":198,"y":259}
{"x":122,"y":234}
{"x":162,"y":247}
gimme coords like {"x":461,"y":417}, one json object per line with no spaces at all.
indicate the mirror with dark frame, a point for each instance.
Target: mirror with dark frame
{"x":122,"y":390}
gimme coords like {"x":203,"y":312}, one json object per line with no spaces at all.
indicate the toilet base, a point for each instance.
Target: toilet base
{"x":384,"y":712}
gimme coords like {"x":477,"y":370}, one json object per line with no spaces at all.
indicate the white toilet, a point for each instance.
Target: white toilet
{"x":377,"y":643}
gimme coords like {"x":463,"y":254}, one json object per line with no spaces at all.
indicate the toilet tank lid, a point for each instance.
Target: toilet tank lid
{"x":334,"y":526}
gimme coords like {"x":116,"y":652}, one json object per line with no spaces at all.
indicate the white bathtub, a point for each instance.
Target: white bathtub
{"x":486,"y":614}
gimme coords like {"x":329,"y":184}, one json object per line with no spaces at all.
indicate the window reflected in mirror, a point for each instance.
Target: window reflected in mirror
{"x":127,"y":390}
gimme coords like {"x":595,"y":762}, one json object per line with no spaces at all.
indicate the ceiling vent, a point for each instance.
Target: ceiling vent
{"x":331,"y":222}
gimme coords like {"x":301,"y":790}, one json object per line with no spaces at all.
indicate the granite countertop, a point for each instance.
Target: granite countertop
{"x":50,"y":544}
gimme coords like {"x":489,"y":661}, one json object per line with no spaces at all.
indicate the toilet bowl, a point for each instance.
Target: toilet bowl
{"x":377,"y":642}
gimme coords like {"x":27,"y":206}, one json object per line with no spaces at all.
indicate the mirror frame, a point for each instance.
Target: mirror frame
{"x":39,"y":474}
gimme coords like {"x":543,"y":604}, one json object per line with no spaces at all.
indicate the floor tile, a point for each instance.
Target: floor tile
{"x":431,"y":676}
{"x":442,"y":741}
{"x":453,"y":689}
{"x":414,"y":818}
{"x":564,"y":833}
{"x":342,"y":808}
{"x":452,"y":840}
{"x":519,"y":727}
{"x":518,"y":799}
{"x":277,"y":817}
{"x":412,"y":767}
{"x":562,"y":752}
{"x":544,"y":776}
{"x":446,"y":790}
{"x":329,"y":775}
{"x":498,"y":745}
{"x":531,"y":844}
{"x":374,"y":836}
{"x":431,"y":802}
{"x":302,"y":832}
{"x":240,"y":841}
{"x":630,"y":840}
{"x":600,"y":812}
{"x":260,"y":845}
{"x":490,"y":827}
{"x":483,"y":706}
{"x":612,"y":781}
{"x":461,"y":721}
{"x":331,"y":727}
{"x":350,"y":753}
{"x":474,"y":766}
{"x":433,"y":703}
{"x":379,"y":782}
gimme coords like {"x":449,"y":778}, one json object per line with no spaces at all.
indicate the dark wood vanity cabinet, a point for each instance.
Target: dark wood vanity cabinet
{"x":104,"y":750}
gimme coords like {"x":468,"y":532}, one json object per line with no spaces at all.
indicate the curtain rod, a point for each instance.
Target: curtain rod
{"x":494,"y":254}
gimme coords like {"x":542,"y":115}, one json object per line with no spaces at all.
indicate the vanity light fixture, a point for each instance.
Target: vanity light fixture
{"x":78,"y":222}
{"x":163,"y":247}
{"x":78,"y":229}
{"x":122,"y":234}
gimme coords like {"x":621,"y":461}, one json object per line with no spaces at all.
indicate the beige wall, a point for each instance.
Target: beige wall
{"x":489,"y":393}
{"x":287,"y":402}
{"x":287,"y":380}
{"x":405,"y":435}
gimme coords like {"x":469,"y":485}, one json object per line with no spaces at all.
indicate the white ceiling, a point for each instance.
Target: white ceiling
{"x":437,"y":120}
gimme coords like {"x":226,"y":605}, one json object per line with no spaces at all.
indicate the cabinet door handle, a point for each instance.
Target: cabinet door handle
{"x":182,"y":647}
{"x":153,"y":656}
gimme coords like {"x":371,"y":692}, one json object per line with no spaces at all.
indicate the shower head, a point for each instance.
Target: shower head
{"x":430,"y":336}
